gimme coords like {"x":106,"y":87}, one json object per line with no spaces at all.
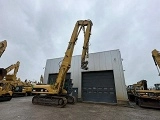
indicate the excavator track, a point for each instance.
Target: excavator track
{"x":71,"y":99}
{"x":5,"y":98}
{"x":57,"y":101}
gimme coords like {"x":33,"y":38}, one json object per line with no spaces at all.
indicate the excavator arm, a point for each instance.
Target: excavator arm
{"x":16,"y":68}
{"x":84,"y":25}
{"x":156,"y":58}
{"x":3,"y":45}
{"x":11,"y":67}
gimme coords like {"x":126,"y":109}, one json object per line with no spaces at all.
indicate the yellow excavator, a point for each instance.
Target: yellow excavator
{"x":5,"y":91}
{"x":3,"y":45}
{"x":56,"y":94}
{"x":28,"y":87}
{"x":131,"y":89}
{"x":12,"y":79}
{"x":20,"y":88}
{"x":150,"y":98}
{"x":6,"y":88}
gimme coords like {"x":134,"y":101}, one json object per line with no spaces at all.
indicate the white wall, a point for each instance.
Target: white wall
{"x":107,"y":60}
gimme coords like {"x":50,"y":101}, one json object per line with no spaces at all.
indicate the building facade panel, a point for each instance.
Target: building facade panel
{"x":107,"y":60}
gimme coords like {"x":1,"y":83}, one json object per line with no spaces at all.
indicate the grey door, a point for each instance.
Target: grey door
{"x":98,"y":86}
{"x":52,"y":77}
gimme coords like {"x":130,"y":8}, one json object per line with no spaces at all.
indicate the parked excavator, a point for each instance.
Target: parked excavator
{"x":13,"y":81}
{"x":20,"y":88}
{"x":28,"y":87}
{"x":131,"y":89}
{"x":150,"y":98}
{"x":5,"y":92}
{"x":6,"y":88}
{"x":56,"y":94}
{"x":3,"y":45}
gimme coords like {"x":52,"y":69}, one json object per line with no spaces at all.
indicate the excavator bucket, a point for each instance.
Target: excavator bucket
{"x":3,"y":73}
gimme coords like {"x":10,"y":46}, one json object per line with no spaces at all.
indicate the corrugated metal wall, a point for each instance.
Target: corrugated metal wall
{"x":107,"y":60}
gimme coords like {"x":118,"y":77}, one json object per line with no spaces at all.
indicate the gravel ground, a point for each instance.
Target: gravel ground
{"x":22,"y":109}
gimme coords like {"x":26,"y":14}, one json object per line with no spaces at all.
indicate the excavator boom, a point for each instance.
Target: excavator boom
{"x":66,"y":63}
{"x":10,"y":68}
{"x":156,"y":58}
{"x":3,"y":45}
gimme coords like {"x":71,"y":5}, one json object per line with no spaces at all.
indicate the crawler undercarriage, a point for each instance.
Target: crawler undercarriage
{"x":53,"y":100}
{"x":5,"y":97}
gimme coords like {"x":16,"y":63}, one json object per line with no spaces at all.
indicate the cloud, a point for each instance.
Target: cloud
{"x":40,"y":30}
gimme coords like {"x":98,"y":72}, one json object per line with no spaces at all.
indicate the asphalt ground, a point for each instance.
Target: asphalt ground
{"x":21,"y":108}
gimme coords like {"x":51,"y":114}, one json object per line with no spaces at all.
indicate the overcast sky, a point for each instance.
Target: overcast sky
{"x":37,"y":30}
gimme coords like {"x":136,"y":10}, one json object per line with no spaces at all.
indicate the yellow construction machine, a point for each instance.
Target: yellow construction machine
{"x":20,"y":88}
{"x":56,"y":94}
{"x":150,"y":98}
{"x":5,"y":91}
{"x":28,"y":87}
{"x":3,"y":45}
{"x":12,"y":79}
{"x":6,"y":88}
{"x":131,"y":89}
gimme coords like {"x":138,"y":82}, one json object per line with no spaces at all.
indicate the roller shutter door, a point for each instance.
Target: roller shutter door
{"x":98,"y":86}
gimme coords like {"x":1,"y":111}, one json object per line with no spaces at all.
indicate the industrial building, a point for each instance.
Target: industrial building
{"x":103,"y":82}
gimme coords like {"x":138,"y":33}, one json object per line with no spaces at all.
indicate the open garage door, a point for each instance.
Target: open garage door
{"x":52,"y":77}
{"x":98,"y":86}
